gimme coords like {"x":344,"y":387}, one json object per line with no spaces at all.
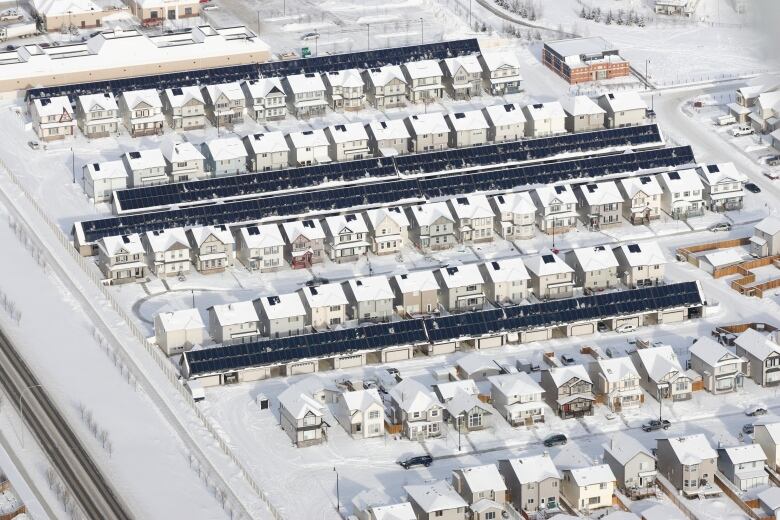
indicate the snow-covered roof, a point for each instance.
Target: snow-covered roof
{"x":389,"y":129}
{"x":770,"y":225}
{"x":149,"y":96}
{"x":309,"y":138}
{"x":595,"y":258}
{"x":431,"y":123}
{"x":624,"y":447}
{"x":661,"y":511}
{"x":282,"y":306}
{"x":180,"y":96}
{"x":53,"y":106}
{"x":483,"y":478}
{"x":180,"y":152}
{"x":535,"y":468}
{"x":371,"y":288}
{"x":515,"y":384}
{"x":438,"y":496}
{"x":221,"y":232}
{"x":542,"y":111}
{"x":712,"y":352}
{"x":751,"y":91}
{"x":412,"y":396}
{"x":682,"y":180}
{"x":623,"y":101}
{"x":344,"y":133}
{"x":129,"y":243}
{"x":562,"y":375}
{"x":349,"y":223}
{"x":428,"y":213}
{"x":394,"y":213}
{"x":567,"y":47}
{"x":770,"y":497}
{"x":145,"y":159}
{"x":383,"y":75}
{"x":310,"y":229}
{"x":659,"y":361}
{"x":581,"y":106}
{"x":260,"y":88}
{"x":461,"y":275}
{"x":447,"y":391}
{"x":646,"y":253}
{"x":504,"y":115}
{"x":226,"y":148}
{"x":723,"y":257}
{"x":102,"y":101}
{"x":107,"y":170}
{"x":519,"y":203}
{"x":468,"y":120}
{"x":647,"y":184}
{"x":60,"y":7}
{"x":267,"y":235}
{"x":743,"y":453}
{"x":476,"y":362}
{"x":235,"y":313}
{"x":468,"y":62}
{"x":344,"y":78}
{"x":298,"y":404}
{"x":162,"y":240}
{"x":496,"y":59}
{"x":548,"y":195}
{"x":423,"y":69}
{"x":185,"y":319}
{"x":506,"y":270}
{"x":721,"y":172}
{"x":591,"y":475}
{"x":463,"y":402}
{"x":769,"y":99}
{"x":617,"y":369}
{"x":620,"y":515}
{"x":692,"y":449}
{"x":547,"y":263}
{"x":301,"y":83}
{"x":402,"y":511}
{"x":599,"y":193}
{"x":267,"y":142}
{"x":472,"y":206}
{"x":231,"y":91}
{"x":757,"y":344}
{"x":416,"y":281}
{"x":324,"y":295}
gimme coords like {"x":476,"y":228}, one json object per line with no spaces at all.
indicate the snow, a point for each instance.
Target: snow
{"x":659,"y":361}
{"x":723,"y":172}
{"x":161,"y":241}
{"x":133,"y":98}
{"x":744,"y":454}
{"x":461,"y":276}
{"x":646,"y":253}
{"x":595,"y":258}
{"x":447,"y":391}
{"x":53,"y":106}
{"x":438,"y":496}
{"x":303,"y":83}
{"x":389,"y":129}
{"x":371,"y":288}
{"x":269,"y":142}
{"x":402,"y":511}
{"x":559,"y":194}
{"x":412,"y":396}
{"x":308,"y":138}
{"x":757,"y":344}
{"x":431,"y":123}
{"x":769,"y":225}
{"x":309,"y":229}
{"x":624,"y":101}
{"x":348,"y":132}
{"x":231,"y":91}
{"x":226,"y":148}
{"x":506,"y":270}
{"x":546,"y":264}
{"x":545,"y":111}
{"x":186,"y":319}
{"x":383,"y":75}
{"x":324,"y":295}
{"x":145,"y":159}
{"x":282,"y":306}
{"x":260,"y":88}
{"x":258,"y":237}
{"x":468,"y":120}
{"x":235,"y":313}
{"x":422,"y":69}
{"x":505,"y":115}
{"x":497,"y":59}
{"x":623,"y":447}
{"x":361,"y":400}
{"x":183,"y":95}
{"x":519,"y":203}
{"x":484,"y":478}
{"x":519,"y":384}
{"x":106,"y":170}
{"x":416,"y":281}
{"x":428,"y":213}
{"x":712,"y":352}
{"x":299,"y":404}
{"x":104,"y":101}
{"x":534,"y":468}
{"x":770,"y":497}
{"x":618,"y":369}
{"x":601,"y":193}
{"x":180,"y":152}
{"x":592,"y":475}
{"x":471,"y":207}
{"x":580,"y":106}
{"x":646,"y":184}
{"x":576,"y":47}
{"x":349,"y":78}
{"x":469,"y":63}
{"x":724,"y":258}
{"x":130,"y":243}
{"x":692,"y":449}
{"x":562,"y":375}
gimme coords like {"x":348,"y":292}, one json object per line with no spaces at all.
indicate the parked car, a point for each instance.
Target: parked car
{"x":567,"y":360}
{"x":626,"y":327}
{"x":558,"y":439}
{"x":773,"y":160}
{"x":752,"y":188}
{"x":655,"y":424}
{"x":317,"y":280}
{"x":33,"y":144}
{"x":602,"y":327}
{"x":742,"y":130}
{"x":211,"y":7}
{"x":755,"y":411}
{"x":720,"y":226}
{"x":748,"y":429}
{"x":772,"y":175}
{"x":420,"y":460}
{"x":725,"y":119}
{"x":310,"y":36}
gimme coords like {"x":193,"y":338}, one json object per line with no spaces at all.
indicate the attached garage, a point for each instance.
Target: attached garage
{"x":254,"y":374}
{"x":673,"y":316}
{"x":631,"y":320}
{"x":214,"y":380}
{"x":582,"y":329}
{"x":535,"y":335}
{"x":441,"y":348}
{"x":490,"y":342}
{"x":305,"y":367}
{"x":352,"y":361}
{"x":397,"y":354}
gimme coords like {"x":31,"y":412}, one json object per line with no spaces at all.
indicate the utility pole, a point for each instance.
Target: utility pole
{"x":422,"y":39}
{"x":258,"y":23}
{"x":368,"y":36}
{"x":338,"y":499}
{"x":647,"y":80}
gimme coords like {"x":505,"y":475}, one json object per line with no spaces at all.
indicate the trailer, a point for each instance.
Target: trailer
{"x":19,"y":30}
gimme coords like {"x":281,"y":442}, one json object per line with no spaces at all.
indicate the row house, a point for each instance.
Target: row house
{"x":429,"y":132}
{"x":641,"y":199}
{"x":102,"y":179}
{"x":583,"y":114}
{"x":385,"y":87}
{"x":507,"y":122}
{"x":301,"y":417}
{"x":588,"y":488}
{"x":617,"y":381}
{"x":260,"y":247}
{"x":689,"y":464}
{"x":501,"y":73}
{"x":600,"y":204}
{"x":53,"y":118}
{"x":432,"y":226}
{"x":347,"y":237}
{"x":168,"y":252}
{"x":212,"y":248}
{"x":721,"y":370}
{"x":766,"y":237}
{"x":469,"y":128}
{"x":388,"y":230}
{"x":370,"y":298}
{"x":544,"y":119}
{"x":145,"y":167}
{"x":305,"y":243}
{"x":508,"y":281}
{"x":416,"y":293}
{"x":141,"y":112}
{"x":473,"y":218}
{"x":362,"y":414}
{"x":767,"y":435}
{"x":763,"y":356}
{"x":326,"y":305}
{"x":551,"y":277}
{"x":534,"y":483}
{"x":267,"y":151}
{"x":233,"y":321}
{"x":388,"y":138}
{"x":632,"y":464}
{"x":595,"y":267}
{"x":515,"y":215}
{"x":344,"y":89}
{"x":661,"y":374}
{"x":98,"y":115}
{"x":743,"y":466}
{"x":305,"y":95}
{"x":225,"y":104}
{"x":423,"y":81}
{"x":462,"y":76}
{"x":480,"y":485}
{"x":282,"y":315}
{"x":462,"y":287}
{"x":640,"y":265}
{"x":683,"y":193}
{"x":265,"y":99}
{"x":308,"y":147}
{"x":518,"y":398}
{"x":723,"y":186}
{"x":183,"y":162}
{"x":414,"y":406}
{"x":348,"y":142}
{"x":568,"y":391}
{"x":184,"y":107}
{"x":122,"y":258}
{"x":436,"y":500}
{"x":623,"y":109}
{"x":555,"y":208}
{"x":225,"y":156}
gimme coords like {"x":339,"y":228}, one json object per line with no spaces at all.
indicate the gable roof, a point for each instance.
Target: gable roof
{"x":476,"y":362}
{"x":282,"y":306}
{"x":226,"y":148}
{"x":371,"y":288}
{"x":461,"y":275}
{"x":682,"y":180}
{"x":353,"y":222}
{"x":361,"y":400}
{"x":394,"y":213}
{"x":412,"y":396}
{"x":472,"y":206}
{"x":547,"y":263}
{"x":180,"y":152}
{"x":712,"y":352}
{"x":463,"y":402}
{"x":624,"y":448}
{"x":561,"y":192}
{"x":162,"y":240}
{"x":107,"y":170}
{"x":508,"y":114}
{"x":438,"y":496}
{"x":261,"y":236}
{"x":180,"y":96}
{"x":743,"y":453}
{"x":469,"y":63}
{"x":562,"y":375}
{"x":497,"y":59}
{"x":515,"y":384}
{"x":581,"y":106}
{"x":309,"y":228}
{"x":267,"y":142}
{"x":617,"y":369}
{"x":144,"y":159}
{"x":389,"y":129}
{"x":534,"y":468}
{"x":308,"y":138}
{"x":298,"y":404}
{"x":344,"y":78}
{"x":130,"y":243}
{"x":646,"y":184}
{"x":770,"y":225}
{"x":542,"y":111}
{"x":100,"y":101}
{"x":622,"y":101}
{"x":235,"y":313}
{"x":591,"y":475}
{"x":598,"y":193}
{"x":133,"y":98}
{"x":260,"y":88}
{"x":692,"y":449}
{"x":773,"y":429}
{"x":416,"y":281}
{"x":231,"y":91}
{"x":517,"y":202}
{"x":646,"y":253}
{"x":759,"y":345}
{"x":220,"y":232}
{"x":301,"y":83}
{"x":184,"y":319}
{"x":344,"y":133}
{"x":428,"y":213}
{"x":659,"y":361}
{"x":721,"y":172}
{"x":324,"y":295}
{"x":402,"y":511}
{"x":483,"y":478}
{"x":422,"y":69}
{"x":448,"y":390}
{"x":430,"y":123}
{"x":595,"y":258}
{"x":381,"y":76}
{"x":468,"y":120}
{"x":506,"y":270}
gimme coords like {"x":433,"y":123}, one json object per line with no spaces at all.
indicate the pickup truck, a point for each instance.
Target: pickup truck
{"x":656,"y":425}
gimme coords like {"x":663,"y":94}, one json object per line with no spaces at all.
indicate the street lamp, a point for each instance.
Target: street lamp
{"x":338,"y":499}
{"x":368,"y":36}
{"x":647,"y":80}
{"x":422,"y":40}
{"x":21,"y":410}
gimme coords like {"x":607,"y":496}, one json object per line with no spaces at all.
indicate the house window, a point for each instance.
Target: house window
{"x":594,"y":500}
{"x":490,"y":515}
{"x":373,"y":414}
{"x":603,"y":485}
{"x":434,"y":413}
{"x":475,"y":420}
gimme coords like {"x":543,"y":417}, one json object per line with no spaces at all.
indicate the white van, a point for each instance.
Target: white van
{"x":196,"y":390}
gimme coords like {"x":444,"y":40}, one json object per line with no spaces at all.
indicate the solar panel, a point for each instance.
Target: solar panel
{"x":634,"y":248}
{"x":674,"y":176}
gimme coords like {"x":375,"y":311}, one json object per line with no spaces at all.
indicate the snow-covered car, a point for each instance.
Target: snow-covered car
{"x":720,"y":226}
{"x":310,"y":36}
{"x":755,"y":411}
{"x":741,"y":130}
{"x":210,"y":7}
{"x":624,"y":328}
{"x":748,"y":429}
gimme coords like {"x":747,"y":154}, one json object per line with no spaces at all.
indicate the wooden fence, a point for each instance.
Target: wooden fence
{"x":743,"y":266}
{"x":730,"y":491}
{"x":689,"y":252}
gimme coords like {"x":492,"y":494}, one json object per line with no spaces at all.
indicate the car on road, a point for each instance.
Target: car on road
{"x":742,"y":130}
{"x":211,"y":7}
{"x":310,"y":36}
{"x":771,"y":175}
{"x":567,"y":360}
{"x":33,"y":144}
{"x":752,"y":188}
{"x":720,"y":226}
{"x":755,"y":411}
{"x":626,"y":327}
{"x":748,"y":429}
{"x":317,"y":280}
{"x":419,"y":460}
{"x":655,"y":424}
{"x":558,"y":439}
{"x":773,"y":160}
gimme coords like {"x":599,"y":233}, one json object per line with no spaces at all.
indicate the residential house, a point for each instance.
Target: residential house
{"x":414,"y":406}
{"x":515,"y":215}
{"x":167,"y":251}
{"x":416,"y":293}
{"x":447,"y":391}
{"x":423,"y":81}
{"x":468,"y":128}
{"x":600,"y":204}
{"x":617,"y":382}
{"x":184,"y":108}
{"x":675,"y":7}
{"x":689,"y":463}
{"x":551,"y":277}
{"x":361,"y":413}
{"x":308,"y":147}
{"x":267,"y":151}
{"x":432,"y":226}
{"x":595,"y":267}
{"x":265,"y":99}
{"x":233,"y":321}
{"x":683,"y":194}
{"x":480,"y":483}
{"x":225,"y":156}
{"x":632,"y":464}
{"x":466,"y":413}
{"x":763,"y":355}
{"x":588,"y":488}
{"x":477,"y":367}
{"x":473,"y":218}
{"x":746,"y":98}
{"x":145,"y":167}
{"x":555,"y":208}
{"x":388,"y":138}
{"x":213,"y":248}
{"x":260,"y":247}
{"x":660,"y":373}
{"x":507,"y":122}
{"x":640,"y":265}
{"x":370,"y":298}
{"x":436,"y":500}
{"x":53,"y":118}
{"x":388,"y":229}
{"x":305,"y":243}
{"x":518,"y":398}
{"x":462,"y":287}
{"x":385,"y":87}
{"x":721,"y":370}
{"x":769,"y":500}
{"x":301,"y":417}
{"x":623,"y":108}
{"x":402,"y":511}
{"x":534,"y":482}
{"x":101,"y":179}
{"x":121,"y":258}
{"x":141,"y":112}
{"x":348,"y":142}
{"x":344,"y":89}
{"x":429,"y":132}
{"x":765,"y":117}
{"x":568,"y":391}
{"x":743,"y":466}
{"x":98,"y":114}
{"x":766,"y":237}
{"x":723,"y":185}
{"x":767,"y":435}
{"x":641,"y":198}
{"x":326,"y":305}
{"x":346,"y":237}
{"x":507,"y":281}
{"x":225,"y":104}
{"x":501,"y":72}
{"x":178,"y":331}
{"x":282,"y":315}
{"x":183,"y":162}
{"x":544,"y":119}
{"x":305,"y":94}
{"x":583,"y":114}
{"x":462,"y":76}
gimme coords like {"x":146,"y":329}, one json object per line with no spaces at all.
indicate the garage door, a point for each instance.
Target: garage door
{"x":582,"y":329}
{"x":302,"y":368}
{"x":634,"y":320}
{"x":673,"y":316}
{"x":396,"y":355}
{"x":444,"y":348}
{"x":535,"y":335}
{"x":495,"y":341}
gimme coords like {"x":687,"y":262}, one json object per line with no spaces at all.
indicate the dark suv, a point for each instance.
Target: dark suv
{"x":420,"y":460}
{"x":555,"y":440}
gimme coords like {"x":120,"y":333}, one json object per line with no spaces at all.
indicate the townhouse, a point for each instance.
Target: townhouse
{"x":305,"y":95}
{"x":595,"y":267}
{"x":743,"y":466}
{"x":588,"y":488}
{"x":507,"y":281}
{"x":416,"y":293}
{"x":462,"y":287}
{"x":769,"y":501}
{"x":184,"y":108}
{"x":518,"y":398}
{"x":432,"y":226}
{"x":101,"y":179}
{"x":385,"y":87}
{"x":326,"y":305}
{"x":632,"y":464}
{"x":141,"y":112}
{"x":462,"y":76}
{"x":660,"y":373}
{"x":301,"y":418}
{"x":183,"y":162}
{"x":640,"y":265}
{"x":616,"y":381}
{"x":600,"y":204}
{"x":683,"y":194}
{"x":723,"y":186}
{"x":544,"y":119}
{"x":721,"y":370}
{"x":506,"y":122}
{"x":423,"y":81}
{"x":501,"y":73}
{"x":689,"y":463}
{"x":281,"y":315}
{"x":233,"y":321}
{"x":178,"y":331}
{"x":167,"y":251}
{"x":348,"y":142}
{"x":225,"y":156}
{"x":122,"y":258}
{"x":260,"y":247}
{"x":265,"y":99}
{"x":97,"y":115}
{"x":468,"y":128}
{"x":388,"y":138}
{"x":623,"y":109}
{"x":429,"y":132}
{"x":344,"y":89}
{"x":414,"y":406}
{"x":225,"y":104}
{"x":766,"y":237}
{"x":568,"y":391}
{"x":53,"y":118}
{"x":473,"y":218}
{"x":767,"y":435}
{"x":551,"y":277}
{"x":555,"y":208}
{"x":763,"y":356}
{"x":305,"y":243}
{"x":534,"y":482}
{"x":267,"y":151}
{"x":388,"y":230}
{"x":346,"y":237}
{"x":583,"y":114}
{"x":641,"y":199}
{"x":436,"y":500}
{"x":212,"y":248}
{"x":361,"y":413}
{"x":370,"y":299}
{"x":145,"y":167}
{"x":308,"y":147}
{"x":515,"y":215}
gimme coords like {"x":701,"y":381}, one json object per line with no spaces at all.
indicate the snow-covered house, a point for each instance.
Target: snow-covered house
{"x":326,"y":305}
{"x":507,"y":122}
{"x":473,"y":218}
{"x":385,"y":86}
{"x":308,"y":147}
{"x":401,"y":511}
{"x":534,"y":482}
{"x":184,"y":108}
{"x":623,"y":108}
{"x":370,"y":299}
{"x":507,"y":281}
{"x":260,"y":247}
{"x":476,"y":367}
{"x":518,"y":398}
{"x":641,"y":199}
{"x":462,"y":287}
{"x":233,"y":320}
{"x":689,"y":463}
{"x":721,"y":370}
{"x":588,"y":488}
{"x":743,"y":466}
{"x":267,"y":151}
{"x":305,"y":94}
{"x":423,"y":81}
{"x":225,"y":103}
{"x":436,"y":500}
{"x":551,"y":277}
{"x":361,"y":413}
{"x":446,"y":391}
{"x":556,"y":208}
{"x":429,"y":132}
{"x":617,"y":381}
{"x":168,"y":251}
{"x":225,"y":156}
{"x":344,"y":89}
{"x":462,"y":76}
{"x":544,"y":119}
{"x":305,"y":243}
{"x":121,"y":258}
{"x":281,"y":315}
{"x":583,"y":114}
{"x":640,"y":265}
{"x":183,"y":162}
{"x":632,"y":464}
{"x":53,"y":118}
{"x":766,"y":237}
{"x":568,"y":391}
{"x":723,"y":186}
{"x":432,"y":226}
{"x":389,"y":137}
{"x":101,"y":179}
{"x":600,"y":204}
{"x":388,"y":229}
{"x":301,"y":417}
{"x":348,"y":141}
{"x":141,"y":112}
{"x":675,"y":7}
{"x":468,"y":128}
{"x":661,"y":374}
{"x":466,"y":413}
{"x":212,"y":248}
{"x":595,"y":267}
{"x":765,"y":117}
{"x":515,"y":215}
{"x":763,"y":355}
{"x":480,"y":483}
{"x":767,"y":435}
{"x":346,"y":237}
{"x":265,"y":99}
{"x":178,"y":331}
{"x":415,"y":407}
{"x":683,"y":194}
{"x":97,"y":114}
{"x":145,"y":167}
{"x":501,"y":72}
{"x":416,"y":292}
